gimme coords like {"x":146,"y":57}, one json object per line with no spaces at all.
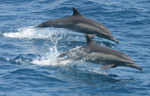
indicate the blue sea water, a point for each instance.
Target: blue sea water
{"x":28,"y":57}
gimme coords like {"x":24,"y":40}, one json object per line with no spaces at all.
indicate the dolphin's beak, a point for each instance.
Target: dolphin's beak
{"x":135,"y":66}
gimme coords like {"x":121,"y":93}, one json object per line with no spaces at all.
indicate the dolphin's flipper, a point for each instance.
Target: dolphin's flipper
{"x":108,"y":66}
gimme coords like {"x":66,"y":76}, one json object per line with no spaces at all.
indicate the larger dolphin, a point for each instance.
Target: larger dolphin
{"x":91,"y":52}
{"x":81,"y":24}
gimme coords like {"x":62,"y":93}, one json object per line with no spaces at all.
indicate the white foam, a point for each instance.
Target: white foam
{"x":30,"y":32}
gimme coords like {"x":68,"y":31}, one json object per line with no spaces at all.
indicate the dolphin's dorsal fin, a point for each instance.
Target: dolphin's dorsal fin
{"x":76,"y":12}
{"x":89,"y":40}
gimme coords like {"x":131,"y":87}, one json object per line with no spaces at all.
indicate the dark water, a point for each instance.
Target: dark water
{"x":28,"y":65}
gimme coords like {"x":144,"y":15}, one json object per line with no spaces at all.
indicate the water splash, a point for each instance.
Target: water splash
{"x":51,"y":57}
{"x":30,"y":32}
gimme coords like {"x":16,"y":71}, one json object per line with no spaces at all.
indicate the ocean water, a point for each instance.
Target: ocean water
{"x":28,"y":57}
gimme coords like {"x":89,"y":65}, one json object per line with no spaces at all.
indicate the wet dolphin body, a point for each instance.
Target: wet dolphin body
{"x":81,"y":24}
{"x":93,"y":53}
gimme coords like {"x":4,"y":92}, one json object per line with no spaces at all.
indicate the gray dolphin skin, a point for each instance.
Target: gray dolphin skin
{"x":79,"y":23}
{"x":93,"y":53}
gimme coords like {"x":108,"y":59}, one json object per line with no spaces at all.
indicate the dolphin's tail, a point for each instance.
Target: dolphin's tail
{"x":135,"y":66}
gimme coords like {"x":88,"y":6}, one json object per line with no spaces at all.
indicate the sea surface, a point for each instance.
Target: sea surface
{"x":28,"y":56}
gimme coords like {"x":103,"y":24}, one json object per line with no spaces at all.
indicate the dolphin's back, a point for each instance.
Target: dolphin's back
{"x":57,"y":23}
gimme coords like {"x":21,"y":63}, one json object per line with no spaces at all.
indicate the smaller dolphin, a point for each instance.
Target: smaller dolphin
{"x":81,"y":24}
{"x":93,"y":53}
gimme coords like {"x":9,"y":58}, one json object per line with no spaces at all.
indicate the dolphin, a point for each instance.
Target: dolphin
{"x":91,"y":52}
{"x":79,"y":23}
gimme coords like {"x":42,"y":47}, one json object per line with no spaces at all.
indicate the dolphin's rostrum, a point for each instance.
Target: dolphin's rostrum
{"x":79,"y":23}
{"x":91,"y":52}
